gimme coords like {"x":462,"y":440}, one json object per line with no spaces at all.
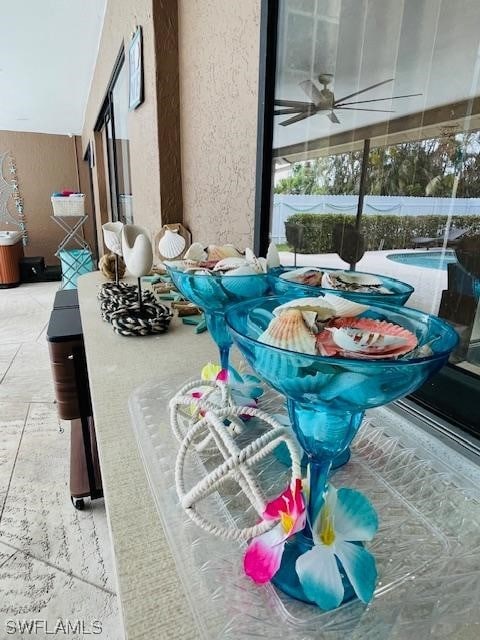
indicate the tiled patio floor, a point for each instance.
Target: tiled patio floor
{"x":55,"y":562}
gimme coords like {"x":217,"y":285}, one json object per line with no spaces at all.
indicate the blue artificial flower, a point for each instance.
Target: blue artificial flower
{"x":345,"y":518}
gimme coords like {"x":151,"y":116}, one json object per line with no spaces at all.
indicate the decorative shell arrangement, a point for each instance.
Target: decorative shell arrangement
{"x":333,"y":326}
{"x":224,"y":260}
{"x":339,"y":280}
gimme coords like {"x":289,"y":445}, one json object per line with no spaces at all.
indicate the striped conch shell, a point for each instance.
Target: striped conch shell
{"x":289,"y":331}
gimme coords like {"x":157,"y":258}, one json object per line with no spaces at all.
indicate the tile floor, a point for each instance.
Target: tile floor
{"x":55,"y":562}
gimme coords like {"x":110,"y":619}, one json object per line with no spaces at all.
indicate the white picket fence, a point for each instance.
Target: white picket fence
{"x":286,"y":205}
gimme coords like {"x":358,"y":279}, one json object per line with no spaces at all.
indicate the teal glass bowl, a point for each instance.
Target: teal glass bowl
{"x":213,"y":293}
{"x":343,"y":384}
{"x":401,"y":291}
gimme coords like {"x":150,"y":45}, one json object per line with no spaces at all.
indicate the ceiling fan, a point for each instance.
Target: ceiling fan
{"x":324,"y":100}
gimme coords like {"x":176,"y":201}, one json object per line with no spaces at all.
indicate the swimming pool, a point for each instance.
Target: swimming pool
{"x":427,"y":259}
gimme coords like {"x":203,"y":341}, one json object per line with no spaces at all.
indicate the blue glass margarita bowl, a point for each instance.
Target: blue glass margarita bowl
{"x":214,"y":293}
{"x":401,"y":291}
{"x":327,"y":396}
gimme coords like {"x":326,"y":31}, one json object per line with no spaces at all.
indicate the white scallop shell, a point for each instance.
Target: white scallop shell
{"x":296,"y":273}
{"x":324,"y":308}
{"x":273,"y":257}
{"x":311,"y":308}
{"x":171,"y":244}
{"x":344,"y":308}
{"x":112,"y":236}
{"x":361,"y":279}
{"x":242,"y":270}
{"x":196,"y":252}
{"x":227,"y":264}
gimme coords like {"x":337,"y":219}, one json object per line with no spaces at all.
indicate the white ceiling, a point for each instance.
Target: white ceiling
{"x":48,"y":50}
{"x":430,"y":47}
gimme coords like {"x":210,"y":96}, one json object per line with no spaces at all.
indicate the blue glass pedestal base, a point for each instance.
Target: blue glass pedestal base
{"x":286,"y":578}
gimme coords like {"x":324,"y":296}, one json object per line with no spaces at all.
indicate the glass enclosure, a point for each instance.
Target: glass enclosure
{"x":376,"y":140}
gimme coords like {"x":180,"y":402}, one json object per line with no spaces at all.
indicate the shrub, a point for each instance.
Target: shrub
{"x":388,"y":232}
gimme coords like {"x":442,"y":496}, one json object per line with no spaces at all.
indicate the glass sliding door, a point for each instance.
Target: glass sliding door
{"x":113,"y":123}
{"x":375,"y":135}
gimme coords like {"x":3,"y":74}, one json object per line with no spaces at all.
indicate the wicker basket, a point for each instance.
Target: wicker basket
{"x":68,"y":206}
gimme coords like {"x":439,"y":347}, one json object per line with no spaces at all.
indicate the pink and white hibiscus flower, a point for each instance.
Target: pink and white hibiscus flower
{"x":264,"y":554}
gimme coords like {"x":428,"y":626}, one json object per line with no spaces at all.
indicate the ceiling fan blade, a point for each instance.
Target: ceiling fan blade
{"x":408,"y":95}
{"x":357,"y":93}
{"x":333,"y":118}
{"x":294,"y":103}
{"x":360,"y":109}
{"x":286,"y":112}
{"x":297,"y":118}
{"x":311,"y":90}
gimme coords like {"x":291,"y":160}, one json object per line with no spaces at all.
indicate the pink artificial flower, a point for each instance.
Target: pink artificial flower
{"x":264,"y":554}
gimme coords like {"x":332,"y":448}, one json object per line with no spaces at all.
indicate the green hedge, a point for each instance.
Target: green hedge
{"x":396,"y":232}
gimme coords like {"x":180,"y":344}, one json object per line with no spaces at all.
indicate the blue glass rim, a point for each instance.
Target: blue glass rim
{"x":404,"y":286}
{"x":447,"y":330}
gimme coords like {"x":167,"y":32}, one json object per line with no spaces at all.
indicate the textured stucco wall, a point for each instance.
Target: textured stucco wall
{"x":45,"y":163}
{"x":218,"y":58}
{"x":121,"y":18}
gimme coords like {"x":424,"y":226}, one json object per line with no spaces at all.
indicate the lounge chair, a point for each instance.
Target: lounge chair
{"x":453,"y":237}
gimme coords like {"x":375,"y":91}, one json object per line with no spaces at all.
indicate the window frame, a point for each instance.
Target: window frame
{"x":451,"y":394}
{"x":105,"y":118}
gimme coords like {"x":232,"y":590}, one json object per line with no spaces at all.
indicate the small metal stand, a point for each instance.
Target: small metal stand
{"x":72,"y":226}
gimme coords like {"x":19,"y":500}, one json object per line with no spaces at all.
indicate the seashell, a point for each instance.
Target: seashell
{"x":384,"y":291}
{"x":254,"y":262}
{"x":171,"y":244}
{"x":137,"y":250}
{"x":263,"y":264}
{"x":326,"y":307}
{"x":242,"y":270}
{"x":329,"y":281}
{"x":365,"y":338}
{"x":360,"y":279}
{"x":344,"y":307}
{"x":112,"y":236}
{"x":299,"y":275}
{"x":312,"y":309}
{"x":218,"y":252}
{"x":289,"y":331}
{"x":273,"y":257}
{"x":352,"y":339}
{"x":228,"y":264}
{"x":196,"y":253}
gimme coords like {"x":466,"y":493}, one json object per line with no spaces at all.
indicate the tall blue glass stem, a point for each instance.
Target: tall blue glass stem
{"x":220,"y":334}
{"x":324,"y":434}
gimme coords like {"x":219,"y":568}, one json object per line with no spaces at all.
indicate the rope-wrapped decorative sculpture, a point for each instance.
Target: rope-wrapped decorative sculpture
{"x":130,"y":321}
{"x":219,"y":426}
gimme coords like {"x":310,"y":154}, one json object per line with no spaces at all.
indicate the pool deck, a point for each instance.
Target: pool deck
{"x":428,"y":283}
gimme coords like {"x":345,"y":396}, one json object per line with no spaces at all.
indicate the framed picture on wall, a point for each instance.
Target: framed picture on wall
{"x":135,"y":69}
